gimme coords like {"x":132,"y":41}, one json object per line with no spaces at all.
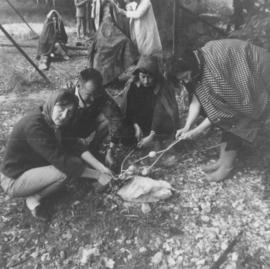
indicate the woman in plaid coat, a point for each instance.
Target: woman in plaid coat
{"x":229,"y":83}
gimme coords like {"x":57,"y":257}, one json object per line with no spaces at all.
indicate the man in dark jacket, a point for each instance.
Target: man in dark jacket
{"x":52,"y":40}
{"x":98,"y":115}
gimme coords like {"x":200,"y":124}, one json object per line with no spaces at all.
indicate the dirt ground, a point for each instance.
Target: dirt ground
{"x":89,"y":229}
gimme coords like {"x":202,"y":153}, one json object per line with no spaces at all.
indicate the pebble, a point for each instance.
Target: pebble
{"x":146,"y":208}
{"x":157,"y":258}
{"x":142,"y":250}
{"x":205,"y":218}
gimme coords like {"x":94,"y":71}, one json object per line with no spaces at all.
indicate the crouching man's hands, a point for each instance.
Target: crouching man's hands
{"x":105,"y":176}
{"x":145,"y":142}
{"x":109,"y":161}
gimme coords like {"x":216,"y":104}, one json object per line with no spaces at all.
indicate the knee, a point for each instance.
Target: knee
{"x":61,"y":177}
{"x":7,"y":185}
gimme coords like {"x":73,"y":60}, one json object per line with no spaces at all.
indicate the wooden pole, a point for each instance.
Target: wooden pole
{"x":31,"y":46}
{"x":174,"y":27}
{"x":22,"y":18}
{"x":23,"y":53}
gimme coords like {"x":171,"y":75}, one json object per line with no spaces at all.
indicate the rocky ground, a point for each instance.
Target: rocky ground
{"x":194,"y":229}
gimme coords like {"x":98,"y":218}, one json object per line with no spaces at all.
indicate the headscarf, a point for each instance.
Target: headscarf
{"x":148,"y":64}
{"x":62,"y":96}
{"x":51,"y":33}
{"x":51,"y":14}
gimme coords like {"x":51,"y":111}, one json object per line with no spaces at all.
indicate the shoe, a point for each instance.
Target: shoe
{"x":41,"y":213}
{"x":66,"y":58}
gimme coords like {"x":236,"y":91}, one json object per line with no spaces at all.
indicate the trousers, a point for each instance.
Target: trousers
{"x":41,"y":180}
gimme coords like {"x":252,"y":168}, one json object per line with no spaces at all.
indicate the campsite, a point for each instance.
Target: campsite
{"x":202,"y":225}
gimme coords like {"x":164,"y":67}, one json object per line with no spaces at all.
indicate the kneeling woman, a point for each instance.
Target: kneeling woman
{"x":41,"y":155}
{"x":52,"y":40}
{"x":148,"y":104}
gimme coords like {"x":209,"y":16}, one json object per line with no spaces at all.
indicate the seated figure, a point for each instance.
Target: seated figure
{"x":42,"y":154}
{"x":52,"y":40}
{"x":148,"y":106}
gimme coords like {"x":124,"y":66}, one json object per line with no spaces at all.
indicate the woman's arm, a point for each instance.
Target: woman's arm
{"x":96,"y":164}
{"x":140,"y":10}
{"x":206,"y":123}
{"x":79,"y":3}
{"x":193,"y":113}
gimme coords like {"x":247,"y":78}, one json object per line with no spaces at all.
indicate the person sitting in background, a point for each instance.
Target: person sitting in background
{"x":148,"y":105}
{"x":41,"y":154}
{"x":229,"y":84}
{"x":143,"y":27}
{"x":52,"y":40}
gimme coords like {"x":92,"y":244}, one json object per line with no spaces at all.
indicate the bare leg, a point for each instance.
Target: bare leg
{"x":214,"y":166}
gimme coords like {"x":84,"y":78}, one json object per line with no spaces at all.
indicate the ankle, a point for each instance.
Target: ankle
{"x":33,"y":201}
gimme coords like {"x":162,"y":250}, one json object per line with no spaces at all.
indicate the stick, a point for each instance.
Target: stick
{"x":164,"y":151}
{"x":223,"y":256}
{"x":22,"y":18}
{"x":23,"y":53}
{"x":34,"y":47}
{"x":174,"y":27}
{"x":123,"y":162}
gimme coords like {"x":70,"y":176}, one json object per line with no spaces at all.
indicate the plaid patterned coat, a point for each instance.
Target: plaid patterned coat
{"x":234,"y":86}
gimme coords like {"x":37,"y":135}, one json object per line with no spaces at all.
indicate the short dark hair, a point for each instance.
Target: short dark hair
{"x":93,"y":75}
{"x":187,"y":62}
{"x":66,"y":97}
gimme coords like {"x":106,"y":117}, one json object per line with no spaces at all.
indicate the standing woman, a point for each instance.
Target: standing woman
{"x":52,"y":40}
{"x":143,"y":27}
{"x":41,"y":155}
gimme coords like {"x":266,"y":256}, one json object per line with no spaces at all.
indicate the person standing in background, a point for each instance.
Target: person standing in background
{"x":143,"y":27}
{"x":81,"y":17}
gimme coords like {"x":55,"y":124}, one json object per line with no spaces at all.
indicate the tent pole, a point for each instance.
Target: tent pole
{"x":174,"y":27}
{"x":22,"y":18}
{"x":23,"y":53}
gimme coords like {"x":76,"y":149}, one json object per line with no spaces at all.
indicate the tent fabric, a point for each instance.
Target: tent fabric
{"x":112,"y":52}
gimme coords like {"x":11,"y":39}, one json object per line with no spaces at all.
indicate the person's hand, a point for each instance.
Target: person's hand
{"x":182,"y":131}
{"x":144,"y":142}
{"x":104,"y":179}
{"x":138,"y":132}
{"x":106,"y":170}
{"x":105,"y":176}
{"x":109,"y":158}
{"x":121,"y":11}
{"x":189,"y":135}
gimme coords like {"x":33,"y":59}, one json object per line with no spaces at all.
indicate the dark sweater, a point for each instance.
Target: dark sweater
{"x":84,"y":121}
{"x":33,"y":143}
{"x":140,"y":107}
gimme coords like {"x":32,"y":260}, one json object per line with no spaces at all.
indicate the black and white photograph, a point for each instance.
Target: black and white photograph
{"x":135,"y":134}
